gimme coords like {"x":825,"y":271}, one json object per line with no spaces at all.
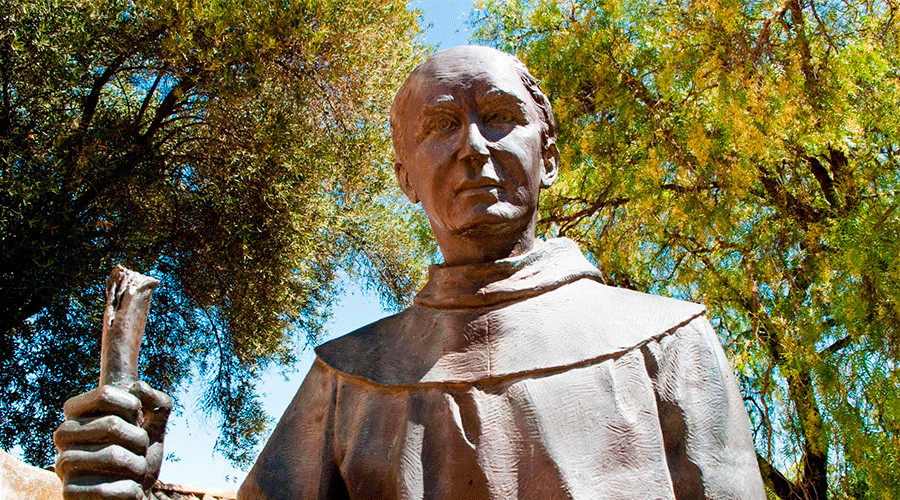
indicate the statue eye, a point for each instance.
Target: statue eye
{"x":502,"y":117}
{"x":440,"y":124}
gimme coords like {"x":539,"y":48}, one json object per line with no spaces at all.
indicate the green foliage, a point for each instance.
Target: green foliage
{"x":235,"y":149}
{"x":745,"y":154}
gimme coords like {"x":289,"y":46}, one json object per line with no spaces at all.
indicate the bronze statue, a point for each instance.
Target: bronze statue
{"x":516,"y":373}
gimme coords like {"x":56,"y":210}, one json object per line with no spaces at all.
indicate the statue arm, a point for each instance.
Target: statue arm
{"x":298,"y":461}
{"x":703,"y":419}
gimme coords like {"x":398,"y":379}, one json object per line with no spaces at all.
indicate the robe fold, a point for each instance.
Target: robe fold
{"x":522,"y":378}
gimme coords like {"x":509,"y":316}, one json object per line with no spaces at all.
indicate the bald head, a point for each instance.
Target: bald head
{"x":442,"y":65}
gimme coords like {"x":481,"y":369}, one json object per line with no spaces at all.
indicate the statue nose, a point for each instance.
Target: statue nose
{"x":474,"y":148}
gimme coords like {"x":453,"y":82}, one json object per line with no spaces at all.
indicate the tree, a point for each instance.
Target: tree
{"x":744,"y":154}
{"x":235,"y":149}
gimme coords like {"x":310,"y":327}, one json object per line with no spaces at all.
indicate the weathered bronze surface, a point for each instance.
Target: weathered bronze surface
{"x":516,"y":373}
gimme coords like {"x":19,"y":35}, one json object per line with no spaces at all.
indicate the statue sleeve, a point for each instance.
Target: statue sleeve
{"x":705,"y":427}
{"x":298,"y":460}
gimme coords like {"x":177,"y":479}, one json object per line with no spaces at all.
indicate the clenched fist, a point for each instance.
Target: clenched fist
{"x":111,"y":444}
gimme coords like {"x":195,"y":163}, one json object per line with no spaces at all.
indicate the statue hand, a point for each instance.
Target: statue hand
{"x":111,"y":444}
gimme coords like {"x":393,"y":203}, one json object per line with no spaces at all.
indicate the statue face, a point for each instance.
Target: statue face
{"x":472,"y":149}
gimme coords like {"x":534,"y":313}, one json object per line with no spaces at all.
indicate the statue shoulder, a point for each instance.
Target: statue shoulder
{"x":353,"y":352}
{"x":627,"y":317}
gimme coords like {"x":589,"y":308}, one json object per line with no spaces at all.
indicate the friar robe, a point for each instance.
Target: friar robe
{"x":522,"y":378}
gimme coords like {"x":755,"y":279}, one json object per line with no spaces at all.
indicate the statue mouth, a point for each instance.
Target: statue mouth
{"x":483,"y":186}
{"x":493,"y":190}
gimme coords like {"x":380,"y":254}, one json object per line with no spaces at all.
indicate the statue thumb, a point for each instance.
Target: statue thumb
{"x":156,"y":407}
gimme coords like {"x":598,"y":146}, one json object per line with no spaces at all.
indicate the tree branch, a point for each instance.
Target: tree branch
{"x":780,"y":197}
{"x":824,"y":180}
{"x":690,"y":189}
{"x":836,"y":346}
{"x":781,"y":486}
{"x":798,"y":22}
{"x":843,"y":177}
{"x":140,"y":114}
{"x":89,"y":107}
{"x":763,"y":37}
{"x":168,"y":105}
{"x":571,"y":219}
{"x":822,"y":27}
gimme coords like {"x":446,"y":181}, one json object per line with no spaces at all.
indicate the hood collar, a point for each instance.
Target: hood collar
{"x":549,"y":265}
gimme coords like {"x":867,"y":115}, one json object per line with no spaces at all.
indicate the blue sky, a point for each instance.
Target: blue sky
{"x":447,"y":19}
{"x":191,"y":436}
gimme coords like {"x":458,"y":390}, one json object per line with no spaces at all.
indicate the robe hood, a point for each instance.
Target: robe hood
{"x":543,"y":311}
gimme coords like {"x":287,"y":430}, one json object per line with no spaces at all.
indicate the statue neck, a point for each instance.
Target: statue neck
{"x":551,"y":264}
{"x":488,"y":244}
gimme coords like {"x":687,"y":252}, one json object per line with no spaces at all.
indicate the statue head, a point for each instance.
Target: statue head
{"x":475,"y":141}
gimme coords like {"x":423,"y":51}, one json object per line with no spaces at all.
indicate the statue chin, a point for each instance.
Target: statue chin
{"x":492,"y":221}
{"x":493,"y":229}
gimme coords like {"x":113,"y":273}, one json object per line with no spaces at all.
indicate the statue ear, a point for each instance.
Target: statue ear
{"x":550,"y":163}
{"x":403,"y":180}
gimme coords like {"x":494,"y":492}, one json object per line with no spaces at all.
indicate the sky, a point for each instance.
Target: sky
{"x":190,"y":438}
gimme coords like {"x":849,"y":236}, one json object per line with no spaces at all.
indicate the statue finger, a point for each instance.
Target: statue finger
{"x":104,"y":400}
{"x":154,"y":464}
{"x":150,"y":397}
{"x":99,"y":432}
{"x":112,"y":461}
{"x":94,"y":487}
{"x":157,"y":406}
